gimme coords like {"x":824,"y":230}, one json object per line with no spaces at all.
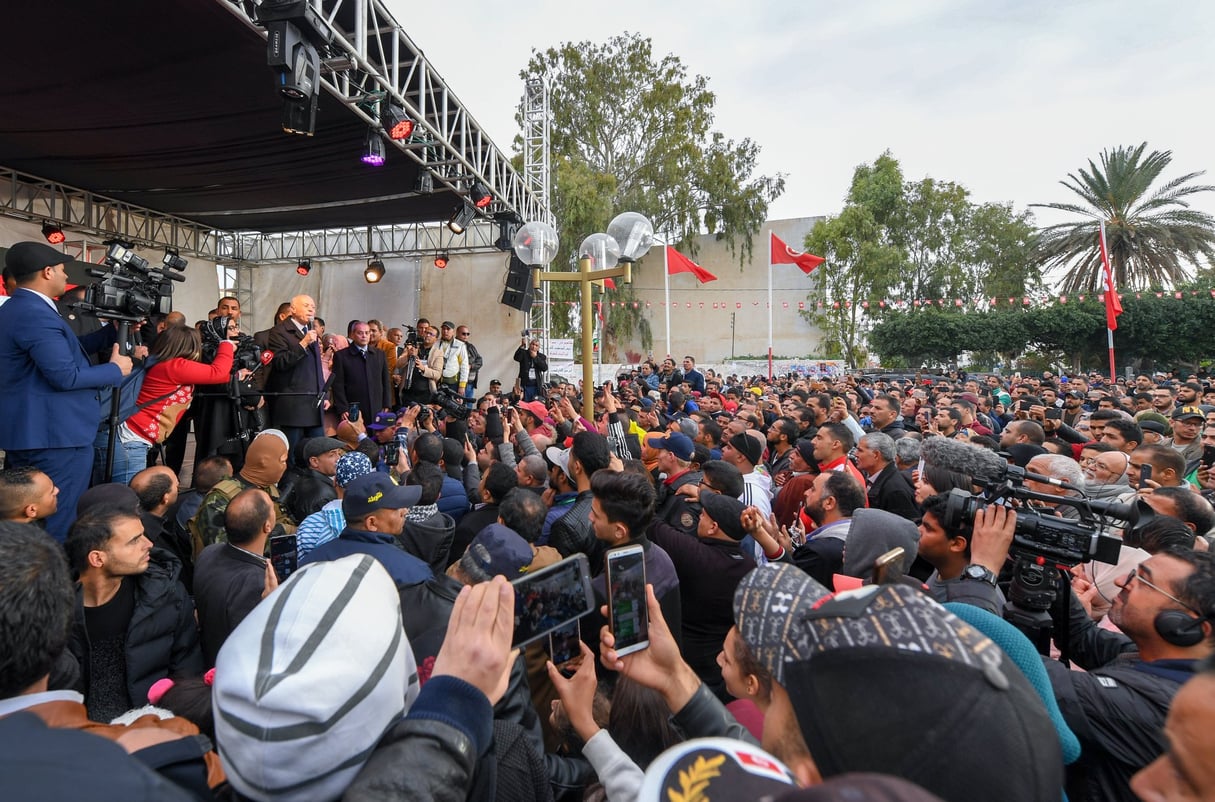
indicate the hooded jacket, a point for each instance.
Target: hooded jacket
{"x":430,"y":540}
{"x":162,"y":638}
{"x":873,"y":533}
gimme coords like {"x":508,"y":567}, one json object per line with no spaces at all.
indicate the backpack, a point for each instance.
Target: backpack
{"x":128,"y":394}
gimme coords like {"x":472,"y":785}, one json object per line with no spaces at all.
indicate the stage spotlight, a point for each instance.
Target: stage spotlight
{"x":304,"y":267}
{"x":374,"y":271}
{"x":373,"y":148}
{"x":425,"y":183}
{"x":441,"y":260}
{"x":397,"y":123}
{"x":299,"y":116}
{"x":461,"y":216}
{"x":480,"y":195}
{"x":53,"y":233}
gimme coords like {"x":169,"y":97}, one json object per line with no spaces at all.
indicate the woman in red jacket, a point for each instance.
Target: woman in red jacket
{"x":169,"y":386}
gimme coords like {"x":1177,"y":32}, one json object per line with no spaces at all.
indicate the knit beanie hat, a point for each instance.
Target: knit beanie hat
{"x":264,"y":464}
{"x":311,"y":679}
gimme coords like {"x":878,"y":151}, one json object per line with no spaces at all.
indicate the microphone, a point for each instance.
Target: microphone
{"x":267,"y":357}
{"x":981,"y":464}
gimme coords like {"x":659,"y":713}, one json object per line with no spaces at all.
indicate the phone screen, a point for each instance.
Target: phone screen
{"x":626,"y":599}
{"x":563,"y":643}
{"x":353,"y":415}
{"x":552,"y":598}
{"x":284,"y":556}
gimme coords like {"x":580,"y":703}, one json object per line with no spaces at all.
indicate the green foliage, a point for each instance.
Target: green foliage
{"x":632,"y":132}
{"x":1151,"y":331}
{"x":914,"y":239}
{"x":1151,"y":231}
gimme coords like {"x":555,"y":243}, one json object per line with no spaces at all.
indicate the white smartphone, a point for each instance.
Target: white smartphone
{"x":630,"y":618}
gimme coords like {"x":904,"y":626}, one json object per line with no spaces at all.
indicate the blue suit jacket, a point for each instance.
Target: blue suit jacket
{"x":48,"y":390}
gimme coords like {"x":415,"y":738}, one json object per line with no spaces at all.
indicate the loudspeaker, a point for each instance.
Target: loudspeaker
{"x":1178,"y":628}
{"x":519,"y":290}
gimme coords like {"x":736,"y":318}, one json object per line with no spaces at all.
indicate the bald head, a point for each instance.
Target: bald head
{"x":249,"y":519}
{"x":156,"y":487}
{"x":303,"y":309}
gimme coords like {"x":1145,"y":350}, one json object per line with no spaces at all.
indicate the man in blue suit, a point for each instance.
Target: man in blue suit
{"x":49,"y":403}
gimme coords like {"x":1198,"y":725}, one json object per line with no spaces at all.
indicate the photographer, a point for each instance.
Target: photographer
{"x":167,"y":390}
{"x":225,"y":413}
{"x":532,"y":367}
{"x":419,"y":369}
{"x":1117,"y":706}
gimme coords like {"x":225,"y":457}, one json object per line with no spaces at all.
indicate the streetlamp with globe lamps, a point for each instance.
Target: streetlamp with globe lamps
{"x":629,"y":237}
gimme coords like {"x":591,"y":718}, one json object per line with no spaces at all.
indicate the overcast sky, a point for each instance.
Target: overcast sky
{"x":1005,"y":98}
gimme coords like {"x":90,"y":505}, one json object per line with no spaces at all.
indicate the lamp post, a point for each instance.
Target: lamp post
{"x":629,"y":237}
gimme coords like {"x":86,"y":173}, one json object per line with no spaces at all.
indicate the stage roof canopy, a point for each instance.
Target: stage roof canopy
{"x":172,"y":107}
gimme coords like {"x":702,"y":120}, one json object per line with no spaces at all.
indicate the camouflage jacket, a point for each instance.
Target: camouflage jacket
{"x":207,"y":525}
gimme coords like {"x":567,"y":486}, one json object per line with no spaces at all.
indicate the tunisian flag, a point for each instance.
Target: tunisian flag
{"x":1113,"y":304}
{"x":782,"y":254}
{"x":678,"y":263}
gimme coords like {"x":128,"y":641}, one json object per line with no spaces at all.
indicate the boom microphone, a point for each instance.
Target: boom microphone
{"x":981,"y":464}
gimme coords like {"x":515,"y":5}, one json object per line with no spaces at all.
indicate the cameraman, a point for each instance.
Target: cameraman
{"x":1117,"y":706}
{"x":49,"y":407}
{"x":957,"y":576}
{"x":419,"y":368}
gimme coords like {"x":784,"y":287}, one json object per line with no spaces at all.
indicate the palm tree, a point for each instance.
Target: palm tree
{"x":1151,"y":232}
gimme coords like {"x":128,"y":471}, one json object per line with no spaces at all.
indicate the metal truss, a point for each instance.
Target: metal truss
{"x":537,"y":170}
{"x":26,"y":197}
{"x":349,"y":243}
{"x":377,"y":59}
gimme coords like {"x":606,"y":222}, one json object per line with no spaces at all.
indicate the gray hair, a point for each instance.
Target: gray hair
{"x":1062,"y":467}
{"x":907,"y":450}
{"x":882,"y":443}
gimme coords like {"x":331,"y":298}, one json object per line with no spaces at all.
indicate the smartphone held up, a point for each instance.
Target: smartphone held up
{"x":627,"y":609}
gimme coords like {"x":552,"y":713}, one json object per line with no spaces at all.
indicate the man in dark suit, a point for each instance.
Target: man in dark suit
{"x":295,"y":381}
{"x":360,"y":375}
{"x":49,"y":410}
{"x":889,"y":489}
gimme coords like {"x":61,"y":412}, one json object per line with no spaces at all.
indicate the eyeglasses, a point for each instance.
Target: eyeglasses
{"x":1135,"y":575}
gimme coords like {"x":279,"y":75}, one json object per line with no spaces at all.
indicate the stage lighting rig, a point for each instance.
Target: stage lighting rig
{"x":375,"y":270}
{"x":508,"y":224}
{"x":461,"y":216}
{"x":295,"y":36}
{"x":396,"y":122}
{"x":304,"y":267}
{"x":480,"y":195}
{"x":441,"y":260}
{"x":373,"y":148}
{"x":425,"y":183}
{"x":53,"y":233}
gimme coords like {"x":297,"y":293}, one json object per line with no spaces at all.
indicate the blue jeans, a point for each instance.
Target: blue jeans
{"x":129,"y":458}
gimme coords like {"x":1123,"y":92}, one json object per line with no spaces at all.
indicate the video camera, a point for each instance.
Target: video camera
{"x":451,"y":402}
{"x":411,"y":335}
{"x":248,"y":355}
{"x":129,"y":289}
{"x":1040,"y":533}
{"x":1045,"y":545}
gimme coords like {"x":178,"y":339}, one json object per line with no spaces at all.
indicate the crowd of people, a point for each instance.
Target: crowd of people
{"x":834,"y":573}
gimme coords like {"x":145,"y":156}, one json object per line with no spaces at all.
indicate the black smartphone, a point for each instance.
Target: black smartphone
{"x":353,"y":414}
{"x":392,"y":452}
{"x":1145,"y":473}
{"x":284,"y":556}
{"x":1023,"y":406}
{"x":630,"y":617}
{"x":563,"y":643}
{"x":1208,"y":456}
{"x":552,"y":598}
{"x":1054,"y":413}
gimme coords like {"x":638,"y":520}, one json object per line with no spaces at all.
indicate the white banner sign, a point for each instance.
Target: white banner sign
{"x":561,"y":350}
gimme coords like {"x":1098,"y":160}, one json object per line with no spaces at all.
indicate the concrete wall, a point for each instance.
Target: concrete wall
{"x":705,"y":332}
